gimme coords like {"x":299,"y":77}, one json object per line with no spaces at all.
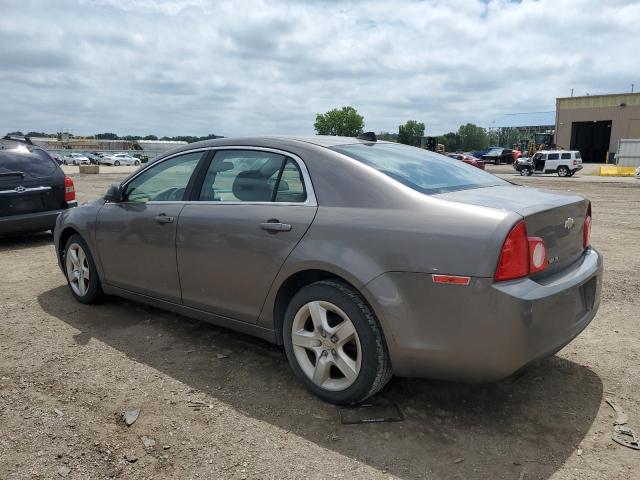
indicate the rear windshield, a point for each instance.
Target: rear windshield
{"x":424,"y":171}
{"x":16,"y":164}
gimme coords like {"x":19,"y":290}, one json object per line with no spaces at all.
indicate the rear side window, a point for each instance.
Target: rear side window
{"x":291,"y":186}
{"x":424,"y":171}
{"x":566,"y":156}
{"x":553,"y":156}
{"x":252,"y":176}
{"x":19,"y":164}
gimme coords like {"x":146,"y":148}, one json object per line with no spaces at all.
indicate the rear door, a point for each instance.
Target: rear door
{"x":252,"y":209}
{"x":29,"y":182}
{"x":136,"y":238}
{"x":553,"y":160}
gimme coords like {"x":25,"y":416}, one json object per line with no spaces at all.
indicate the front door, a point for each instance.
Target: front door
{"x":136,"y":238}
{"x":253,"y":208}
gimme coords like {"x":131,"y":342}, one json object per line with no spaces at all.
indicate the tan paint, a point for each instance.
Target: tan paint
{"x":625,"y":119}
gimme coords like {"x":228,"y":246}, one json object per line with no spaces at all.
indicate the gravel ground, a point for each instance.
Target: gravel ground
{"x":219,"y":404}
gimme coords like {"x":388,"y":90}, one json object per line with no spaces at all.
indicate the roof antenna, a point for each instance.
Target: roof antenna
{"x":368,"y":136}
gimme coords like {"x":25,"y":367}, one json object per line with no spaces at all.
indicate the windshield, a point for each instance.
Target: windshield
{"x":424,"y":171}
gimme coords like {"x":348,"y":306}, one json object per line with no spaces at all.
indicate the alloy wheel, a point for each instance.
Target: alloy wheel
{"x":78,"y":271}
{"x":326,"y":345}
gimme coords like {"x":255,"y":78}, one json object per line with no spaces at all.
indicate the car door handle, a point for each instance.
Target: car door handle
{"x":275,"y":226}
{"x":163,"y":218}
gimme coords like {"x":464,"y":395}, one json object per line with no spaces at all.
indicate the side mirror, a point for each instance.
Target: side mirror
{"x":114,"y":193}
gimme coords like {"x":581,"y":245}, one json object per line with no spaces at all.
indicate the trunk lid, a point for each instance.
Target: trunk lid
{"x":556,"y":218}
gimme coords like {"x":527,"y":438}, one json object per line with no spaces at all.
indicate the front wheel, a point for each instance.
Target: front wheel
{"x":81,"y":272}
{"x":334,"y":343}
{"x":525,"y":171}
{"x":563,"y":171}
{"x":116,"y":163}
{"x":136,"y":163}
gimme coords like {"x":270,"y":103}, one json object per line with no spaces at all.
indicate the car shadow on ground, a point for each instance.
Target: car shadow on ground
{"x":10,"y":243}
{"x":531,"y":425}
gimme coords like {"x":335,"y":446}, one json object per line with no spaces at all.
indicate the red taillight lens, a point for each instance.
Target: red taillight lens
{"x":586,"y":231}
{"x":521,"y":255}
{"x":514,"y":258}
{"x":69,"y":189}
{"x":575,"y":162}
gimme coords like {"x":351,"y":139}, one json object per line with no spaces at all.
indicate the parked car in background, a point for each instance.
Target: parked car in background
{"x":395,"y":260}
{"x":564,"y":163}
{"x":33,"y":189}
{"x":467,"y":158}
{"x":498,"y":155}
{"x":74,"y":158}
{"x":119,"y":159}
{"x":94,"y":157}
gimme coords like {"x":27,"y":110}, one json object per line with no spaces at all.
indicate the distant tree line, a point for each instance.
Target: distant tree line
{"x":114,"y":136}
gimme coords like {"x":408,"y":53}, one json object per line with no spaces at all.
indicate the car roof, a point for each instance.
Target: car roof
{"x":556,"y":151}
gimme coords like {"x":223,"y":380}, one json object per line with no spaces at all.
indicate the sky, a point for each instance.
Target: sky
{"x":194,"y":67}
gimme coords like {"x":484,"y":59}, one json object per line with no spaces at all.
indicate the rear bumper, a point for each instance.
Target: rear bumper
{"x":31,"y":222}
{"x":485,"y":331}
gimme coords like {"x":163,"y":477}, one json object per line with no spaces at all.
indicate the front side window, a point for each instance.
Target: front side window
{"x":252,"y":176}
{"x":424,"y":171}
{"x":165,"y":182}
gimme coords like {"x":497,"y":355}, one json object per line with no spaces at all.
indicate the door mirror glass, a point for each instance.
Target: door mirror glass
{"x":114,"y":193}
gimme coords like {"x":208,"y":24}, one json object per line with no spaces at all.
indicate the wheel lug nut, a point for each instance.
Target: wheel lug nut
{"x":333,"y":351}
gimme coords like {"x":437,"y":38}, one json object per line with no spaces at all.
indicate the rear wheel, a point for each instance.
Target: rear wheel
{"x":80,"y":270}
{"x":334,"y":343}
{"x":136,"y":162}
{"x":116,"y":163}
{"x":563,"y":171}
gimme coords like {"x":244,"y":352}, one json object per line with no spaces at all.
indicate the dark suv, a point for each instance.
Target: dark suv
{"x":33,"y":188}
{"x":498,"y":155}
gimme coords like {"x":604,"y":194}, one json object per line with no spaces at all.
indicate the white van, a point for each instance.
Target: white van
{"x":563,"y":162}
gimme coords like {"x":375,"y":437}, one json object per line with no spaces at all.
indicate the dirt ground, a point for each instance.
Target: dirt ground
{"x":67,"y":371}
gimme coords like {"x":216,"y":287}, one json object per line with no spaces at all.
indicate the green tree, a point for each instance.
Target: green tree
{"x":389,"y":137}
{"x":106,"y":136}
{"x":345,"y":122}
{"x":411,"y":132}
{"x":472,"y":137}
{"x":451,"y":141}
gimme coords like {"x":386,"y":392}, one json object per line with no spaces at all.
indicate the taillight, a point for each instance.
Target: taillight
{"x":575,"y":162}
{"x":69,"y":189}
{"x":521,"y":255}
{"x":586,"y":231}
{"x":514,"y":258}
{"x":538,"y":260}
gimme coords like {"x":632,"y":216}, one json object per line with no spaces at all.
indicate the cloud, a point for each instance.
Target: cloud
{"x":267,"y":67}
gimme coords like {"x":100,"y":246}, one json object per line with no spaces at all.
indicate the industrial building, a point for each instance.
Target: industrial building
{"x":595,"y":124}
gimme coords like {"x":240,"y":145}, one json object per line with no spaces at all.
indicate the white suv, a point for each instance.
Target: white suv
{"x":563,"y":162}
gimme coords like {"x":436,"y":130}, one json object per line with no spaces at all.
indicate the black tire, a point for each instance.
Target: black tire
{"x":94,"y":291}
{"x":375,"y":366}
{"x":563,"y":171}
{"x":116,"y":163}
{"x":525,"y":171}
{"x":136,"y":162}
